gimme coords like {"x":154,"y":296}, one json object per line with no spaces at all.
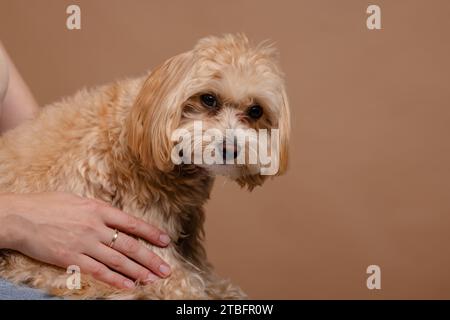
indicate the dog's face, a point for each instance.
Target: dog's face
{"x":221,"y":106}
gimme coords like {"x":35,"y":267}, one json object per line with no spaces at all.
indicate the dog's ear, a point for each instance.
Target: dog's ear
{"x":157,"y":112}
{"x":251,"y":181}
{"x":284,"y":125}
{"x":282,"y":150}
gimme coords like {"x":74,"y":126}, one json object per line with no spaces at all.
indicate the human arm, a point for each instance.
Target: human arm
{"x":18,"y":103}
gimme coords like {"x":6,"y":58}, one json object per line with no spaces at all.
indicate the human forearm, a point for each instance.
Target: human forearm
{"x":19,"y":103}
{"x":9,"y":232}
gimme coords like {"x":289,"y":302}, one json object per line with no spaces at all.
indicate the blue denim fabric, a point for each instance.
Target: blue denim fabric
{"x":10,"y":291}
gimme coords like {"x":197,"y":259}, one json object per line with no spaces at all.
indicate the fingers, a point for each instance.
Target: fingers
{"x":102,"y":273}
{"x":120,"y":263}
{"x":139,"y":253}
{"x":115,"y":218}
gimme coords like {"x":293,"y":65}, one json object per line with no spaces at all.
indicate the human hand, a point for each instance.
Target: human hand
{"x":63,"y":229}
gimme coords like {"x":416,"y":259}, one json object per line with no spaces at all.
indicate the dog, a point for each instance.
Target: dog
{"x":114,"y":143}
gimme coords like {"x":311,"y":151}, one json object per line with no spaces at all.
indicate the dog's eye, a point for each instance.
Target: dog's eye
{"x":255,"y":112}
{"x":208,"y":100}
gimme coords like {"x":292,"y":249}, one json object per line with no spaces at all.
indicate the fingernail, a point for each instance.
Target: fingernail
{"x":165,"y":269}
{"x":129,"y":284}
{"x":152,"y":277}
{"x":164,"y":238}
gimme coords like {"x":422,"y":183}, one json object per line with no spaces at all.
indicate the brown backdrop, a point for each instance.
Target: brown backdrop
{"x":370,"y":173}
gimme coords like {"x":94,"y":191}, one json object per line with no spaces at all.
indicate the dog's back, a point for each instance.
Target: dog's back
{"x":55,"y":150}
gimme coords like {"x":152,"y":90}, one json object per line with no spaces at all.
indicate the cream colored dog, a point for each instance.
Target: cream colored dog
{"x":114,"y":143}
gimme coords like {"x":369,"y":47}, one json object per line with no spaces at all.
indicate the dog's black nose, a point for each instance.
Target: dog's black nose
{"x":230,"y":151}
